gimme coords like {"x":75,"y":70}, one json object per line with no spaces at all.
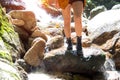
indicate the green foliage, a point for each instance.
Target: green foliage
{"x":5,"y":55}
{"x":94,"y":3}
{"x":4,"y":23}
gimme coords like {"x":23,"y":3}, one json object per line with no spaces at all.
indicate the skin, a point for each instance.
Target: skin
{"x":77,"y":9}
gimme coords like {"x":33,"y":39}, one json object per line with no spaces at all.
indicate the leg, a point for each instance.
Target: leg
{"x":67,"y":19}
{"x":78,"y":8}
{"x":67,"y":30}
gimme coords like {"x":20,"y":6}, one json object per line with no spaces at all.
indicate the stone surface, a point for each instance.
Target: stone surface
{"x":104,"y":26}
{"x":27,"y":16}
{"x":61,"y":61}
{"x":35,"y":54}
{"x":12,"y":5}
{"x":55,"y":42}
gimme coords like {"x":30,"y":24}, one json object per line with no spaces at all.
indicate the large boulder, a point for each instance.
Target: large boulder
{"x":35,"y":53}
{"x":10,"y":49}
{"x":104,"y":26}
{"x":10,"y":37}
{"x":60,"y":60}
{"x":27,"y":16}
{"x":96,"y":11}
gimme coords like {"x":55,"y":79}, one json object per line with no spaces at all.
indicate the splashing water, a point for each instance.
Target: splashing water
{"x":110,"y":72}
{"x":45,"y":20}
{"x":34,"y":5}
{"x":41,"y":15}
{"x":41,"y":76}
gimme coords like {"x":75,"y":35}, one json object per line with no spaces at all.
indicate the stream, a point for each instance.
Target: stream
{"x":109,"y":71}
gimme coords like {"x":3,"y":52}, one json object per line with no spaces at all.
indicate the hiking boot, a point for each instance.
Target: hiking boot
{"x":79,"y":46}
{"x":69,"y":43}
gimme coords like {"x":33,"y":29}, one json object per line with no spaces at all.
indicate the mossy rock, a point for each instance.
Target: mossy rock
{"x":9,"y":37}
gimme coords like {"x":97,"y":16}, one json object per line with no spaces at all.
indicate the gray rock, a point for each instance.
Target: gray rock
{"x":104,"y":26}
{"x":65,"y":61}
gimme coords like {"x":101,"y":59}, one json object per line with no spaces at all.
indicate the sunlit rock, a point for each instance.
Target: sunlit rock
{"x":55,"y":42}
{"x":97,"y":10}
{"x":18,"y":22}
{"x":8,"y":72}
{"x":10,"y":50}
{"x":38,"y":33}
{"x":104,"y":26}
{"x":53,"y":31}
{"x":27,"y":16}
{"x":116,"y":7}
{"x":35,"y":54}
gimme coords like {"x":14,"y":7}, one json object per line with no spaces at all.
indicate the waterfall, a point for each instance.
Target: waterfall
{"x":110,"y":71}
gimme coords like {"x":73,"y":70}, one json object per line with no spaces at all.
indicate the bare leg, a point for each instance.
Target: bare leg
{"x":67,"y":19}
{"x":78,"y":9}
{"x":67,"y":29}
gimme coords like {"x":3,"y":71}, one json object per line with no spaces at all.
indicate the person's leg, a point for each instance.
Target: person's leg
{"x":78,"y":9}
{"x":67,"y":19}
{"x":67,"y":29}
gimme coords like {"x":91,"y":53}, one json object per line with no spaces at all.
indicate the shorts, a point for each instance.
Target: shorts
{"x":71,"y":1}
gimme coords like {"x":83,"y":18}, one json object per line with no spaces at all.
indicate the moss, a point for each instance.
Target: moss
{"x":5,"y":55}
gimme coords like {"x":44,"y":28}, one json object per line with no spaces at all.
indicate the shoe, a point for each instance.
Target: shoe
{"x":79,"y":46}
{"x":69,"y":43}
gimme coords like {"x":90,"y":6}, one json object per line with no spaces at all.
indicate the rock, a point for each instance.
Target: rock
{"x":53,"y":31}
{"x":12,"y":5}
{"x":104,"y":26}
{"x":18,"y":22}
{"x":97,"y":10}
{"x":35,"y":54}
{"x":10,"y":50}
{"x":55,"y":42}
{"x":9,"y":37}
{"x":112,"y":45}
{"x":86,"y":42}
{"x":21,"y":63}
{"x":116,"y":7}
{"x":22,"y":34}
{"x":38,"y":33}
{"x":8,"y":72}
{"x":27,"y":16}
{"x":61,"y":61}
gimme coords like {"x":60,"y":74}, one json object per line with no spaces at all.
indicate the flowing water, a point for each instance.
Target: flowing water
{"x":110,"y":72}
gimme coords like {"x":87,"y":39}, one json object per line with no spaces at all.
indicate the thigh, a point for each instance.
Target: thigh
{"x":77,"y":8}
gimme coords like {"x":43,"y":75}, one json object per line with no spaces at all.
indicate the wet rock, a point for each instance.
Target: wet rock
{"x":61,"y":61}
{"x":22,"y":64}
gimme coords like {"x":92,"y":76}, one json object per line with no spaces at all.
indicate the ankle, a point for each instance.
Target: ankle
{"x":69,"y":43}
